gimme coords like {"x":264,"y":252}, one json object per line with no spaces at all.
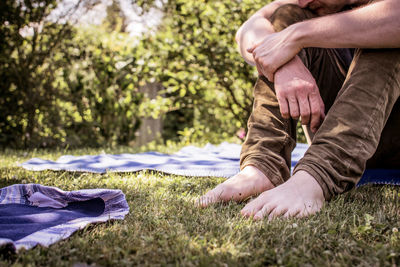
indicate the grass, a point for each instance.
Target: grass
{"x":165,"y":228}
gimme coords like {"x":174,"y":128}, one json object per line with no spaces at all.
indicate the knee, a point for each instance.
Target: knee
{"x":289,"y":14}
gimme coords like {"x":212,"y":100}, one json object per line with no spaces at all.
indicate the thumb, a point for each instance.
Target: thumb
{"x":251,"y":48}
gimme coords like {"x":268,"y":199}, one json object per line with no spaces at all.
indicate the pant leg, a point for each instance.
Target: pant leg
{"x":351,"y":132}
{"x":271,"y":138}
{"x":387,"y":155}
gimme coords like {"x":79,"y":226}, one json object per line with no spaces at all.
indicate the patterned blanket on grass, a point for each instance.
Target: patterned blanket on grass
{"x":33,"y":214}
{"x":211,"y":160}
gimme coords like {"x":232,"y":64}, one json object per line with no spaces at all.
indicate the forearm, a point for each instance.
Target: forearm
{"x":256,"y":28}
{"x":376,"y":25}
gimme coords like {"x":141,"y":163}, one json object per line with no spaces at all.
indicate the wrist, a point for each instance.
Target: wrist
{"x":294,"y":64}
{"x":298,"y":34}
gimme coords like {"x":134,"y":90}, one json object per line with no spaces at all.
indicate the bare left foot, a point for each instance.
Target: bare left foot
{"x":249,"y":182}
{"x":300,"y":196}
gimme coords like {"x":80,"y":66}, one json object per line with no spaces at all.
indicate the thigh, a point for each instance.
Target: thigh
{"x":329,"y":68}
{"x":362,"y":127}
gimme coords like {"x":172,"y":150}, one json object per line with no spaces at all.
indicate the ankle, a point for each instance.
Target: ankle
{"x":305,"y":180}
{"x":254,"y":172}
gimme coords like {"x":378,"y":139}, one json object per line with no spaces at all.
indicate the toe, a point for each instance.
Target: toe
{"x":305,"y":212}
{"x":265,"y":211}
{"x":207,"y":199}
{"x":254,"y":206}
{"x":277,"y":212}
{"x":290,"y":213}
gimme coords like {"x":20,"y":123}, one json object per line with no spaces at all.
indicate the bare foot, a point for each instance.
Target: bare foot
{"x":299,"y":196}
{"x":250,"y":181}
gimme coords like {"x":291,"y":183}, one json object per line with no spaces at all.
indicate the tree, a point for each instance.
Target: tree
{"x":115,"y":20}
{"x":67,"y":85}
{"x":30,"y":39}
{"x":62,"y":85}
{"x":194,"y":56}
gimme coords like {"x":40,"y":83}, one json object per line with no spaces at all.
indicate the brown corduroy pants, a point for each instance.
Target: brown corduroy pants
{"x":362,"y":124}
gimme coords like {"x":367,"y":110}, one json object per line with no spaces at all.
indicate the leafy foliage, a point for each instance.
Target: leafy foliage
{"x":63,"y":85}
{"x":195,"y":58}
{"x":72,"y":86}
{"x":25,"y":72}
{"x":102,"y":100}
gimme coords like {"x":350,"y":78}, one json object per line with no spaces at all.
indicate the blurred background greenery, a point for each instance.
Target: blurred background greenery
{"x":66,"y":83}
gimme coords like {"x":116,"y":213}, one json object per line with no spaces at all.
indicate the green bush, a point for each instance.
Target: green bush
{"x":102,"y":100}
{"x":64,"y":85}
{"x":194,"y":56}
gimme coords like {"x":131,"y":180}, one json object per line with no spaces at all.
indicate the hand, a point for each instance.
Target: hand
{"x":298,"y":94}
{"x":274,"y":51}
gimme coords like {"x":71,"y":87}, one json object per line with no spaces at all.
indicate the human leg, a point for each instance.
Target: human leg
{"x":265,"y":157}
{"x":350,"y":135}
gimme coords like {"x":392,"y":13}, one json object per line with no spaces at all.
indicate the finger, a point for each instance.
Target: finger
{"x":304,"y":110}
{"x":294,"y":107}
{"x":259,"y":69}
{"x":283,"y":107}
{"x":270,"y":76}
{"x":263,"y":65}
{"x":315,"y":112}
{"x":269,"y":70}
{"x":322,"y":105}
{"x":258,"y":65}
{"x":251,"y":48}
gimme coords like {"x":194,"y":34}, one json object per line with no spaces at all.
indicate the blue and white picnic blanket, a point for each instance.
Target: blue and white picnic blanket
{"x":33,"y":214}
{"x":211,"y":160}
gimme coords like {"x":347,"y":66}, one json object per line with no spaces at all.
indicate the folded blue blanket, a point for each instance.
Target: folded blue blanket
{"x":33,"y":214}
{"x":218,"y":161}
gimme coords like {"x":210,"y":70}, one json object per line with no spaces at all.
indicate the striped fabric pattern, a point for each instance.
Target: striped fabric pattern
{"x":115,"y":208}
{"x":211,"y":160}
{"x":216,"y":161}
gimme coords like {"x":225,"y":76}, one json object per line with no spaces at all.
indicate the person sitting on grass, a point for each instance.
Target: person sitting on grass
{"x":335,"y":65}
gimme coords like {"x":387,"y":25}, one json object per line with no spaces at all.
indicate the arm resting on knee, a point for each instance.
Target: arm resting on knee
{"x":256,"y":28}
{"x":376,"y":25}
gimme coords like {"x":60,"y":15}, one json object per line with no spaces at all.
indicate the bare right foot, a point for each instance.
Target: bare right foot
{"x":250,"y":181}
{"x":300,"y":196}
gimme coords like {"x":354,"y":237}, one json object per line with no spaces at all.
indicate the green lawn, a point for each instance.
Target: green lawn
{"x":165,"y":228}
